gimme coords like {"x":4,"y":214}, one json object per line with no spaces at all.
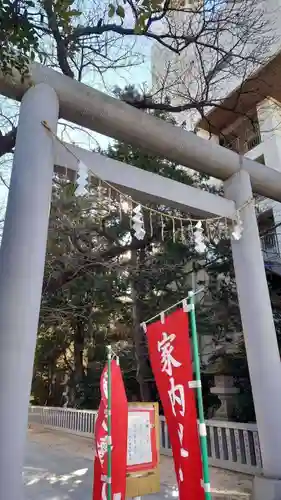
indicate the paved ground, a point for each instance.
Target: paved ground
{"x":51,"y":474}
{"x":59,"y":466}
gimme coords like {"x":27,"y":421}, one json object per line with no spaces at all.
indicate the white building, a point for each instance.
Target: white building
{"x":257,"y":135}
{"x":250,"y":122}
{"x":230,"y":43}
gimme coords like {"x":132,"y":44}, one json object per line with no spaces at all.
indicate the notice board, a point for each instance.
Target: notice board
{"x":143,"y":473}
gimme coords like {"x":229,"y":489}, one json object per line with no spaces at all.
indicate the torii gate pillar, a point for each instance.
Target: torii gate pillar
{"x":22,"y":259}
{"x":260,"y":338}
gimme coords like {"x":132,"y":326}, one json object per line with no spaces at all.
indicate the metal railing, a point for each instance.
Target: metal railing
{"x":252,"y":141}
{"x":270,"y":246}
{"x":233,"y":446}
{"x":242,"y":146}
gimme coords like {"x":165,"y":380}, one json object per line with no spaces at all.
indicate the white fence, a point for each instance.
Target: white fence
{"x":231,"y":445}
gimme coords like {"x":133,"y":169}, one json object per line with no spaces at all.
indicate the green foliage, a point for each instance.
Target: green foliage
{"x":19,"y":40}
{"x":65,"y":13}
{"x":120,"y":11}
{"x":143,"y":11}
{"x":95,"y":292}
{"x":111,"y":10}
{"x":20,"y":32}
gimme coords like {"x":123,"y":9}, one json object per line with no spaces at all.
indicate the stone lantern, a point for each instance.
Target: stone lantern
{"x":222,"y":368}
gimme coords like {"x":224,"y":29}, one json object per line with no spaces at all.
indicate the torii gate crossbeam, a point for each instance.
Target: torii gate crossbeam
{"x":144,"y":186}
{"x":22,"y":259}
{"x":99,"y":112}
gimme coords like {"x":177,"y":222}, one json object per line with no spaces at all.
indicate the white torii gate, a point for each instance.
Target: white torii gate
{"x":24,"y":239}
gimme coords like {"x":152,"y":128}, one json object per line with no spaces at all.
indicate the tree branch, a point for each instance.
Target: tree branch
{"x":60,"y":41}
{"x":66,"y":277}
{"x":7,"y":141}
{"x":84,"y":31}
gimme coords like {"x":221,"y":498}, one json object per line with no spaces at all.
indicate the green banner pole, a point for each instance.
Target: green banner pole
{"x":202,"y":425}
{"x":109,"y":437}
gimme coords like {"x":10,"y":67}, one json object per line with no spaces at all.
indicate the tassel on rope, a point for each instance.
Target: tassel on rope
{"x":138,"y":223}
{"x":200,"y":246}
{"x":216,"y":227}
{"x":237,"y":228}
{"x":82,"y":179}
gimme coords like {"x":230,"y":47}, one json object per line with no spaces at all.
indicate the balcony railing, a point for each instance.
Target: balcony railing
{"x":241,"y":146}
{"x":252,"y":142}
{"x":270,"y":248}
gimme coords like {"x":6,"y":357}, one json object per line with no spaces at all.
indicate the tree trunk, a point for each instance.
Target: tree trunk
{"x":140,"y":344}
{"x":51,"y":385}
{"x":78,"y":372}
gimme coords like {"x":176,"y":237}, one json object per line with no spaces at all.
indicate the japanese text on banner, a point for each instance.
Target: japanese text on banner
{"x":170,"y":355}
{"x":118,"y":439}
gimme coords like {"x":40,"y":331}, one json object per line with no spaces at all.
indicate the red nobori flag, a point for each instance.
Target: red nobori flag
{"x":170,"y":355}
{"x":119,"y":435}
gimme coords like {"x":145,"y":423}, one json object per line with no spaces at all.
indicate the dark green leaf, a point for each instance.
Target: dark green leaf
{"x":120,"y":11}
{"x":111,"y":10}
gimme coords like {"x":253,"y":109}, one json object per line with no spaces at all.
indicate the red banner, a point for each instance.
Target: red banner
{"x":119,"y":435}
{"x":170,"y":356}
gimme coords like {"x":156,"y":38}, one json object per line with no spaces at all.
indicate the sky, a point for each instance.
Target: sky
{"x":138,"y":75}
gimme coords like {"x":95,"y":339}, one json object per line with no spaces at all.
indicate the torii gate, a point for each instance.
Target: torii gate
{"x":45,"y":97}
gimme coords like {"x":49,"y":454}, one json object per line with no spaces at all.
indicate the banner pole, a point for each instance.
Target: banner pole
{"x":109,"y":438}
{"x":202,"y":425}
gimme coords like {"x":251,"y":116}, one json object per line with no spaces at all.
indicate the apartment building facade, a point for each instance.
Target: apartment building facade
{"x":228,"y":45}
{"x":254,"y":131}
{"x":249,"y":118}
